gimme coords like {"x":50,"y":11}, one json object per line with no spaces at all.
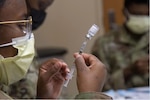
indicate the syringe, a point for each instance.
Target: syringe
{"x":92,"y":31}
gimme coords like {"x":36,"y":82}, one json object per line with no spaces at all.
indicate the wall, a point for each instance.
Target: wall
{"x":66,"y":24}
{"x":117,"y":9}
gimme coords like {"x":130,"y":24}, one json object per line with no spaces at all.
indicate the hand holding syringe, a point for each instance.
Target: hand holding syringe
{"x":92,"y":31}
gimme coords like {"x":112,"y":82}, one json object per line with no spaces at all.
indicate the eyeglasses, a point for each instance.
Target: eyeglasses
{"x":19,"y":21}
{"x":25,"y":25}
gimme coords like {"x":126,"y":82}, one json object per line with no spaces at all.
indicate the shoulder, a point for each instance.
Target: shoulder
{"x":107,"y":37}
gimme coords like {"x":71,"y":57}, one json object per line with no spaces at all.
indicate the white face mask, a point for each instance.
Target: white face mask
{"x":138,"y":24}
{"x":14,"y":68}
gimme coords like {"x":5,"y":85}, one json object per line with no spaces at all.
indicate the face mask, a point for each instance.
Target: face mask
{"x":138,"y":24}
{"x":38,"y":17}
{"x":14,"y":68}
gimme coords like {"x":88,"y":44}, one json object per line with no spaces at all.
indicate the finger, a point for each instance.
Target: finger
{"x":55,"y":69}
{"x":64,"y":70}
{"x":49,"y":62}
{"x":92,"y":62}
{"x":58,"y":77}
{"x":61,"y":74}
{"x":89,"y":59}
{"x":80,"y":63}
{"x":49,"y":68}
{"x":65,"y":67}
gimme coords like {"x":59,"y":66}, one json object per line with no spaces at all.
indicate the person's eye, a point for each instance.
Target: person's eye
{"x":22,"y":26}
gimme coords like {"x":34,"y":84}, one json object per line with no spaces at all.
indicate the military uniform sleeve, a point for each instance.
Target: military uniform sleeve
{"x":100,"y":51}
{"x":117,"y":80}
{"x":26,"y":87}
{"x":92,"y":95}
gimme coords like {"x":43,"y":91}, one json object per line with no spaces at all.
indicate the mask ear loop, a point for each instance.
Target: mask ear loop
{"x":20,"y":39}
{"x":8,"y":44}
{"x":17,"y":41}
{"x":29,"y":26}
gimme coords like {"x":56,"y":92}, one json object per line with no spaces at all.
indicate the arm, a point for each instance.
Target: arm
{"x":132,"y":75}
{"x":139,"y":67}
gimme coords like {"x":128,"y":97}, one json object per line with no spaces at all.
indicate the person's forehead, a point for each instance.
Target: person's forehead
{"x":13,"y":9}
{"x":139,"y":8}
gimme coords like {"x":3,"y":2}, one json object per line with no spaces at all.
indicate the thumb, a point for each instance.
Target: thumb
{"x":79,"y":62}
{"x":49,"y":69}
{"x":54,"y":69}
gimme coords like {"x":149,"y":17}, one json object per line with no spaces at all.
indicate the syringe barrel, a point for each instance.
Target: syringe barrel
{"x":92,"y":31}
{"x":83,"y":46}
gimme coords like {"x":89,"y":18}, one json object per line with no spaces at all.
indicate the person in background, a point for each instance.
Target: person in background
{"x":17,"y":53}
{"x":125,"y":50}
{"x":26,"y":87}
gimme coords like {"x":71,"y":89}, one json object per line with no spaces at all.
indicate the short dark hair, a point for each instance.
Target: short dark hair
{"x":2,"y":2}
{"x":128,"y":3}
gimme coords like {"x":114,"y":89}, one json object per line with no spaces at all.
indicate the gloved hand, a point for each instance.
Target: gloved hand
{"x":52,"y":75}
{"x":91,"y":73}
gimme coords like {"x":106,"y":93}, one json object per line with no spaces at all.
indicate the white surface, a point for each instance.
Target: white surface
{"x":142,"y":93}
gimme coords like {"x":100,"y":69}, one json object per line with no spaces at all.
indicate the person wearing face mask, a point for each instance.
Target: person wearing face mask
{"x":125,"y":50}
{"x":26,"y":87}
{"x":17,"y":53}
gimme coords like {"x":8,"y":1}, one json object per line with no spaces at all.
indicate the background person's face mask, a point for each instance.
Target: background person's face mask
{"x":14,"y":68}
{"x":139,"y":24}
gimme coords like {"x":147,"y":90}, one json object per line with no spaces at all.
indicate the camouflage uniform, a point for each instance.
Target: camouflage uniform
{"x":26,"y":87}
{"x":87,"y":96}
{"x":118,"y":50}
{"x":93,"y":95}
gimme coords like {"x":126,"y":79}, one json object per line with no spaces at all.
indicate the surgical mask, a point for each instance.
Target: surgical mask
{"x":38,"y":18}
{"x":139,"y":24}
{"x":12,"y":69}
